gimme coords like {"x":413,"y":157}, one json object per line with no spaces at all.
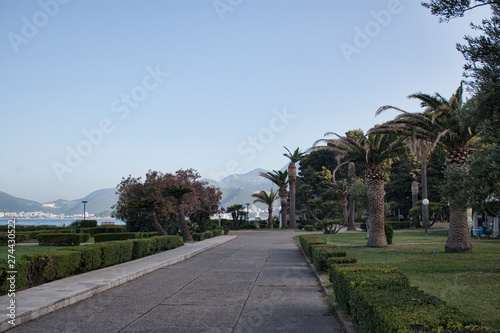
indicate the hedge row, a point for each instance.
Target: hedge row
{"x":199,"y":236}
{"x":394,"y":224}
{"x":323,"y":252}
{"x":26,"y":228}
{"x":380,"y":299}
{"x":102,"y":230}
{"x":307,"y":241}
{"x":107,"y":237}
{"x":42,"y":267}
{"x":62,"y":239}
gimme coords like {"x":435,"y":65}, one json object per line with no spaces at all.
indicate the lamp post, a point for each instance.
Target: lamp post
{"x":425,"y":219}
{"x":84,"y":203}
{"x":247,"y":213}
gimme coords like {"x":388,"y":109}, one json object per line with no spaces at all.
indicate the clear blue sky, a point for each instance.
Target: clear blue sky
{"x":97,"y":90}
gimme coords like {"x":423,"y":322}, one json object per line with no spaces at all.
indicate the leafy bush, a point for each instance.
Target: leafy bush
{"x":321,"y":254}
{"x":310,"y":242}
{"x":207,"y":234}
{"x":64,"y":239}
{"x":27,"y":228}
{"x":347,"y":278}
{"x":99,"y":238}
{"x":143,"y":247}
{"x":341,"y":260}
{"x":19,"y":237}
{"x":217,"y":231}
{"x":102,"y":230}
{"x":52,"y":265}
{"x":388,"y":232}
{"x":21,"y":278}
{"x":90,"y":257}
{"x":197,"y":236}
{"x":397,"y":225}
{"x":403,"y":309}
{"x":84,"y":224}
{"x":309,"y":228}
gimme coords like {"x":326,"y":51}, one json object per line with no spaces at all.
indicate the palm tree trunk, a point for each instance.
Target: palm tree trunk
{"x":284,"y":223}
{"x":345,"y":212}
{"x":351,"y":173}
{"x":156,"y":224}
{"x":376,"y":233}
{"x":425,"y":208}
{"x":270,"y":217}
{"x":292,"y":180}
{"x":458,"y":236}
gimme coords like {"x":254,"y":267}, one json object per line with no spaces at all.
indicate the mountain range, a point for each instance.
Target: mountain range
{"x":236,"y":189}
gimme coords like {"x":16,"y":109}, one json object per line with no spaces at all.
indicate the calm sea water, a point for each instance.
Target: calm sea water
{"x":57,"y":222}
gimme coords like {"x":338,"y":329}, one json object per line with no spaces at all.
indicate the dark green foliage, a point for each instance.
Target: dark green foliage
{"x":307,"y":241}
{"x":103,"y":230}
{"x":53,"y":265}
{"x":99,"y":238}
{"x":347,"y":278}
{"x":21,"y":278}
{"x":197,"y":236}
{"x":143,"y":247}
{"x":19,"y":237}
{"x":84,"y":224}
{"x":217,"y":232}
{"x":397,"y":225}
{"x":406,"y":309}
{"x":321,"y":254}
{"x":26,"y":228}
{"x":341,"y":260}
{"x":90,"y":257}
{"x":64,"y":239}
{"x":388,"y":232}
{"x":309,"y":228}
{"x":207,"y":234}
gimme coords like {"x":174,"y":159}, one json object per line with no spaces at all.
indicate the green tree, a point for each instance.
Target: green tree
{"x":441,"y":123}
{"x":267,"y":199}
{"x":294,"y":157}
{"x":373,"y":151}
{"x":237,"y":214}
{"x":280,"y":179}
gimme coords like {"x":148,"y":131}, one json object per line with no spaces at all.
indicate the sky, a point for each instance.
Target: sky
{"x":94,"y":91}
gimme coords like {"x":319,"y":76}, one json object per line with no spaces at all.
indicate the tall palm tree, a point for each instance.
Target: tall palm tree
{"x":294,"y":157}
{"x":351,"y":174}
{"x":267,"y":199}
{"x":440,"y":123}
{"x":280,"y":178}
{"x":373,"y":150}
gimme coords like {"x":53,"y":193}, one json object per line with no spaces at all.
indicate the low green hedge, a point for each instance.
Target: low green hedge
{"x":90,"y":257}
{"x":27,"y":228}
{"x":321,"y":254}
{"x":309,"y":228}
{"x":341,"y":260}
{"x":397,"y":225}
{"x":21,"y":277}
{"x":218,"y":231}
{"x":19,"y":237}
{"x":99,"y":238}
{"x":307,"y":241}
{"x":64,"y":239}
{"x":102,"y":230}
{"x":52,"y":265}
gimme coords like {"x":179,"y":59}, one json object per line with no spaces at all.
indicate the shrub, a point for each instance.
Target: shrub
{"x":397,"y":225}
{"x":64,"y":239}
{"x":226,"y":230}
{"x":207,"y":234}
{"x":19,"y":237}
{"x":309,"y":228}
{"x":306,"y":241}
{"x":102,"y":230}
{"x":388,"y":233}
{"x":346,"y":279}
{"x":217,"y":232}
{"x":90,"y":257}
{"x":116,"y":252}
{"x":84,"y":224}
{"x":403,"y":309}
{"x":197,"y":236}
{"x":21,"y":281}
{"x":98,"y":238}
{"x":341,"y":260}
{"x":321,"y":254}
{"x":53,"y":265}
{"x":143,"y":247}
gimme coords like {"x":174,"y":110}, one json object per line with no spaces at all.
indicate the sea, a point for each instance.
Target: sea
{"x":57,"y":222}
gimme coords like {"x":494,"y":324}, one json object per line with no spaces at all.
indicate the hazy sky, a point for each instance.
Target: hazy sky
{"x":97,"y":90}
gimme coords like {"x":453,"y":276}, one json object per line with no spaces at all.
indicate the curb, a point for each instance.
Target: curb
{"x":348,"y":325}
{"x":58,"y":294}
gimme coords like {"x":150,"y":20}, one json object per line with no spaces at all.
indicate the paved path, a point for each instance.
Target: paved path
{"x":258,"y":282}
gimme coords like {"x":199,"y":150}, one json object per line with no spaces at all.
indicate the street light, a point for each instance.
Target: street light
{"x":84,"y":203}
{"x":425,"y":203}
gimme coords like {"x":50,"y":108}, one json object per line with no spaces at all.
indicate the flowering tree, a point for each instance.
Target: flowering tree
{"x":165,"y":197}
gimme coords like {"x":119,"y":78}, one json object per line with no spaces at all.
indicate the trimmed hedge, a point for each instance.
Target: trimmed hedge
{"x":102,"y":230}
{"x":22,"y":268}
{"x":321,"y":254}
{"x":64,"y":239}
{"x":27,"y":228}
{"x":19,"y":237}
{"x":90,"y":257}
{"x":307,"y":241}
{"x":49,"y":266}
{"x":400,"y":225}
{"x":341,"y":260}
{"x":388,"y":233}
{"x":99,"y":238}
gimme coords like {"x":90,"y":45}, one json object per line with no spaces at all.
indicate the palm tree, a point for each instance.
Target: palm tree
{"x":237,"y":213}
{"x":351,"y":174}
{"x":440,"y":123}
{"x":341,"y":190}
{"x":373,"y":150}
{"x":279,"y":178}
{"x":294,"y":157}
{"x":267,"y":199}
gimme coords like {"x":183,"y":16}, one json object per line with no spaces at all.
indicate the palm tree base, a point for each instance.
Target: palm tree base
{"x":458,"y":237}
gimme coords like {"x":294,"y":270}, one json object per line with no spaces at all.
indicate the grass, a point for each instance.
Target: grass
{"x":22,"y":250}
{"x":468,"y":281}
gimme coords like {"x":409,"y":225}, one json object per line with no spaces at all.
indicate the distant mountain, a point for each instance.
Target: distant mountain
{"x":98,"y":201}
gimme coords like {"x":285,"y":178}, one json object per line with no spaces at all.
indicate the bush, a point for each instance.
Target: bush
{"x":64,"y":239}
{"x":143,"y":247}
{"x":21,"y":280}
{"x":388,"y":232}
{"x":311,"y":242}
{"x":400,"y":225}
{"x":27,"y":228}
{"x":90,"y":257}
{"x":207,"y":234}
{"x":197,"y":236}
{"x":226,"y":230}
{"x":217,"y":232}
{"x":309,"y":228}
{"x":19,"y":237}
{"x":321,"y":254}
{"x":347,"y":278}
{"x":99,"y":238}
{"x":53,"y":265}
{"x":84,"y":224}
{"x":341,"y":260}
{"x":403,"y":309}
{"x":102,"y":230}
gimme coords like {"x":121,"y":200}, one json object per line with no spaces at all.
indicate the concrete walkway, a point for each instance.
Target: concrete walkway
{"x":258,"y":282}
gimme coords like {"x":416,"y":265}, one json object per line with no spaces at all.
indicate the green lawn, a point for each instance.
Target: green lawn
{"x":469,"y":281}
{"x":22,"y":250}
